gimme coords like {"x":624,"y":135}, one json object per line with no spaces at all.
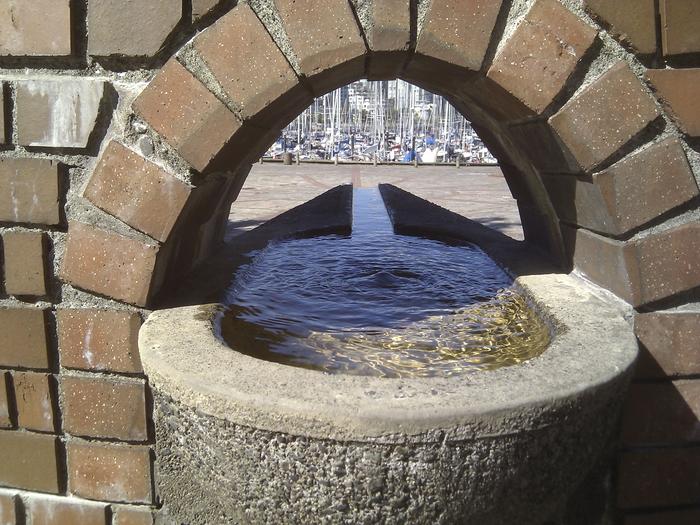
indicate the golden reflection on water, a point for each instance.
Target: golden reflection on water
{"x":380,"y":304}
{"x":504,"y":331}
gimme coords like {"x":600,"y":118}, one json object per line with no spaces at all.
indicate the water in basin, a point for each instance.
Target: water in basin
{"x":377,"y":303}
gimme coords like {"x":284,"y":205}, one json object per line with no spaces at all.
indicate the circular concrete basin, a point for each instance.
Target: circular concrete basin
{"x":241,"y":440}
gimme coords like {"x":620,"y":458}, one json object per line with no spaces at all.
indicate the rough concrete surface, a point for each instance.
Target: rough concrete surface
{"x":245,"y":440}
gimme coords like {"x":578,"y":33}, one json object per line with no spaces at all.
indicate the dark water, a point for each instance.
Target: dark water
{"x":381,"y":304}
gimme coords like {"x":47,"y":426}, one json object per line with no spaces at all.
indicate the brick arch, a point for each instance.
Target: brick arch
{"x":579,"y":146}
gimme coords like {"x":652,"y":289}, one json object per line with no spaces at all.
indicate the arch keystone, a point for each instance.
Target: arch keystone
{"x":326,"y":39}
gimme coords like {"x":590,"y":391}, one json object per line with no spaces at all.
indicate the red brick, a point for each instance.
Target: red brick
{"x":657,"y":413}
{"x":658,"y":478}
{"x":104,"y":407}
{"x":109,"y":472}
{"x":29,"y":190}
{"x":128,"y":515}
{"x":108,"y":263}
{"x":62,"y":511}
{"x":331,"y":51}
{"x":136,"y":191}
{"x":677,"y":88}
{"x":190,"y":118}
{"x":36,"y":28}
{"x":630,"y":193}
{"x":668,"y":262}
{"x":671,"y":517}
{"x":34,"y":395}
{"x":130,"y":27}
{"x":604,"y":116}
{"x":679,"y":26}
{"x":542,"y":53}
{"x":105,"y":340}
{"x":23,"y":338}
{"x":24,"y":263}
{"x":634,"y":21}
{"x":251,"y":69}
{"x":669,"y":344}
{"x":5,"y":419}
{"x":29,"y":461}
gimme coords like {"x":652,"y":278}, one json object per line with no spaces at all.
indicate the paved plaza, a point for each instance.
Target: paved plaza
{"x":479,"y":193}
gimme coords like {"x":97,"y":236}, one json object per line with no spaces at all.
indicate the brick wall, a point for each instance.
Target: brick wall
{"x":125,"y":132}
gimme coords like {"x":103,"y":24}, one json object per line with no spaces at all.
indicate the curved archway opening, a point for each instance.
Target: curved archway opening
{"x":571,"y":126}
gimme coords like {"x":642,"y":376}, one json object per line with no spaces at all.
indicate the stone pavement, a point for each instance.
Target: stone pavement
{"x":479,"y":193}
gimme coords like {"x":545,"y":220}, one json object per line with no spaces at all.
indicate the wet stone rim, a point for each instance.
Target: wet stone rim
{"x":592,"y":350}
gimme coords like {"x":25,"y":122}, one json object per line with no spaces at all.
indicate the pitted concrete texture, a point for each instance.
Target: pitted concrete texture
{"x":261,"y":477}
{"x":241,"y":440}
{"x":479,"y":193}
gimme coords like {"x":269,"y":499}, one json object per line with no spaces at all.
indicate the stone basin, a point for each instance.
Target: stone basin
{"x":241,"y":440}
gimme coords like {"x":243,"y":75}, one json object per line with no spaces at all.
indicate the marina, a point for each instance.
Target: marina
{"x":381,"y":121}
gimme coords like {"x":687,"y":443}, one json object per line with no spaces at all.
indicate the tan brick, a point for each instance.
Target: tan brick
{"x":668,"y":263}
{"x":657,"y":478}
{"x":669,"y":344}
{"x":390,"y":29}
{"x":39,"y":27}
{"x":138,"y":192}
{"x":201,"y":8}
{"x":58,"y":113}
{"x":668,"y":517}
{"x":3,"y":137}
{"x":29,"y":191}
{"x":679,"y":26}
{"x":105,"y":340}
{"x":251,"y":69}
{"x":330,"y":50}
{"x":29,"y":461}
{"x":389,"y":38}
{"x":606,"y":262}
{"x":62,"y":511}
{"x":540,"y":144}
{"x":108,"y":263}
{"x":130,"y":27}
{"x":186,"y":115}
{"x":677,"y":89}
{"x":630,"y":193}
{"x":604,"y":116}
{"x":109,"y":472}
{"x":25,"y":272}
{"x":34,"y":395}
{"x":104,"y":407}
{"x":23,"y":338}
{"x":634,"y":21}
{"x":5,"y":419}
{"x":128,"y":515}
{"x":657,"y":413}
{"x":459,"y":32}
{"x":8,"y":509}
{"x":542,"y":53}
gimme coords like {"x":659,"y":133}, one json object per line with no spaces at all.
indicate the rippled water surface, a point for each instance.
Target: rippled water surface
{"x":380,"y":304}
